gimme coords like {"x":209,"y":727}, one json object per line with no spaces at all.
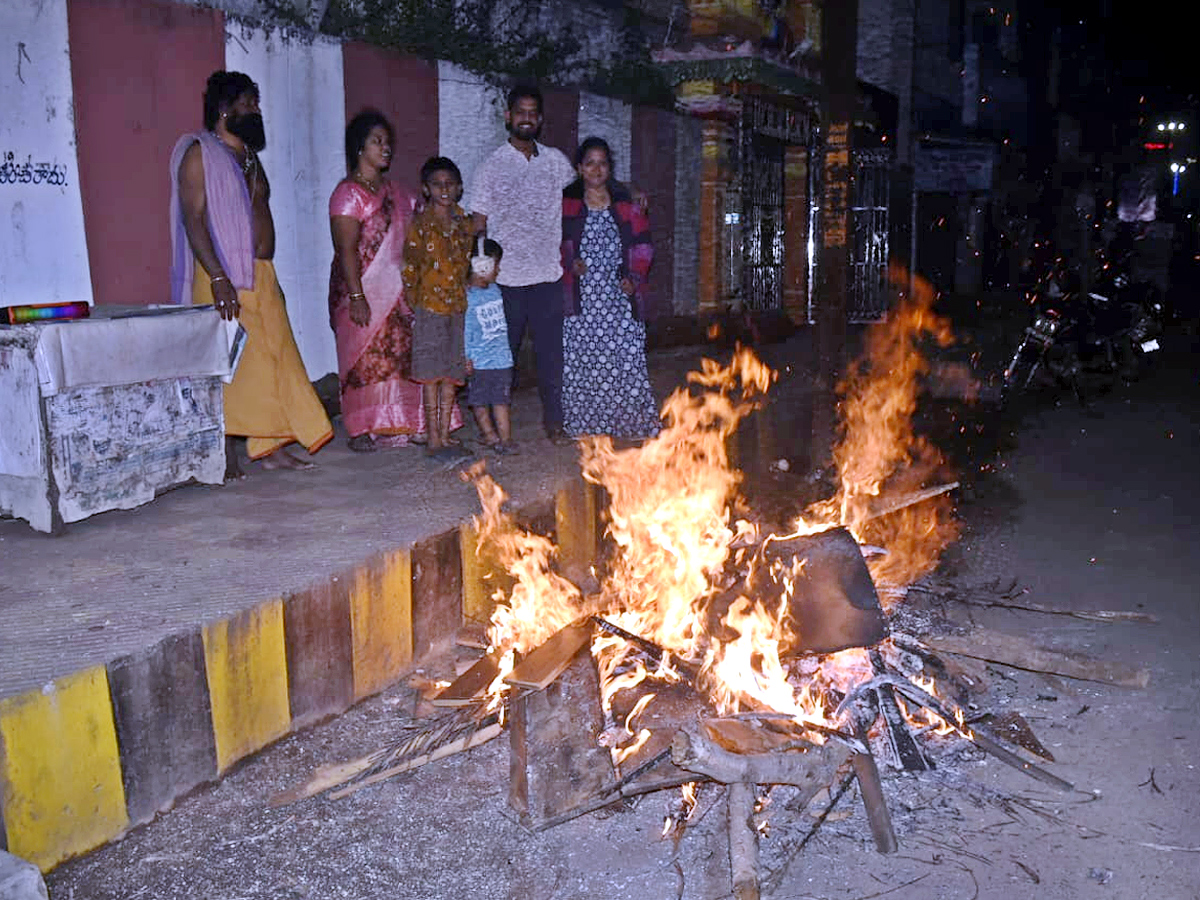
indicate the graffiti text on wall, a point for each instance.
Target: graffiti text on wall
{"x":28,"y":172}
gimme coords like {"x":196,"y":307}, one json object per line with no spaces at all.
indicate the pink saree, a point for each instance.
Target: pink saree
{"x":373,"y":360}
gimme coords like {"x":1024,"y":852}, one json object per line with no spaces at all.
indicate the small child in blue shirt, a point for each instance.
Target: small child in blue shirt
{"x":489,"y":359}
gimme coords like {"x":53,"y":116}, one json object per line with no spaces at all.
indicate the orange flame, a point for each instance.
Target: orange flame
{"x":678,"y":546}
{"x":669,"y":505}
{"x":878,"y":455}
{"x":541,"y":601}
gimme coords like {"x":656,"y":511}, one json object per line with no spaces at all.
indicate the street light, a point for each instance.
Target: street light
{"x":1177,"y":169}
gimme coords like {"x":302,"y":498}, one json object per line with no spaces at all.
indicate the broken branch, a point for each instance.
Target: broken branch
{"x":691,"y":749}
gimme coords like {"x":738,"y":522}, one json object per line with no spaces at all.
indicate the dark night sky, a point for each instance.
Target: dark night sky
{"x":1151,"y":45}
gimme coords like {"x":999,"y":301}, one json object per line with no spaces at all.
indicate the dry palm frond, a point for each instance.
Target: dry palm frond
{"x":453,"y":731}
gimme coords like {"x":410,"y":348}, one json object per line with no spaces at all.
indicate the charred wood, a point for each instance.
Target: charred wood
{"x":556,"y":761}
{"x":956,"y":718}
{"x":1012,"y":727}
{"x":875,"y":804}
{"x":899,"y":737}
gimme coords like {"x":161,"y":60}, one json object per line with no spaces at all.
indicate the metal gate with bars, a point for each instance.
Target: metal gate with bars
{"x":766,"y":129}
{"x":762,"y":221}
{"x":755,"y":227}
{"x":871,"y":186}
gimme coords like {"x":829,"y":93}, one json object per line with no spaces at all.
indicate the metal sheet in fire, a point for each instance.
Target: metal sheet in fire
{"x":833,"y":605}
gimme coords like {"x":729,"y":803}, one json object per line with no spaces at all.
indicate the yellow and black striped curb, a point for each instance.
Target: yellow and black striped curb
{"x":93,"y":753}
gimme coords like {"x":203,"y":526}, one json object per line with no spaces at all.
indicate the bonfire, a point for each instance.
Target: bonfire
{"x":712,"y":645}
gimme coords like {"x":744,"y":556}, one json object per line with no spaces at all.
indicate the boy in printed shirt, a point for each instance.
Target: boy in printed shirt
{"x":489,"y":359}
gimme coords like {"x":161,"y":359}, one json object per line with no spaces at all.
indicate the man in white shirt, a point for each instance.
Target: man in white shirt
{"x":517,"y":200}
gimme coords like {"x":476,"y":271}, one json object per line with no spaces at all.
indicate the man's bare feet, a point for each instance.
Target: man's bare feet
{"x":281,"y":459}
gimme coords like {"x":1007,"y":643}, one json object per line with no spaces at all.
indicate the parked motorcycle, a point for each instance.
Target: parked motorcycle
{"x":1075,"y":334}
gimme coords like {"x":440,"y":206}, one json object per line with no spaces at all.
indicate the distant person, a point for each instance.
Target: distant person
{"x":517,"y":200}
{"x":436,"y":257}
{"x":369,"y":215}
{"x":606,"y":254}
{"x":222,"y":243}
{"x":489,"y":357}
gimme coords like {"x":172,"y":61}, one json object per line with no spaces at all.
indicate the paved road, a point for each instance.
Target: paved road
{"x":1088,"y":509}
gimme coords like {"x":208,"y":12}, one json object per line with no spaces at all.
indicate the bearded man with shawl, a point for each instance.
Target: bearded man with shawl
{"x":222,"y":244}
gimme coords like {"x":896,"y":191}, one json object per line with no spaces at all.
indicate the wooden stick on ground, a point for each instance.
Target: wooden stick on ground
{"x":327,"y":777}
{"x":408,"y":751}
{"x":1010,"y":650}
{"x":743,"y":841}
{"x":1091,"y":615}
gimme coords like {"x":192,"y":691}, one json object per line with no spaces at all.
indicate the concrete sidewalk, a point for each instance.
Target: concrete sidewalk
{"x":146,"y":651}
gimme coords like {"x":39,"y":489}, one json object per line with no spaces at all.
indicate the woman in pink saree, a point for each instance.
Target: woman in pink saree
{"x":368,"y":216}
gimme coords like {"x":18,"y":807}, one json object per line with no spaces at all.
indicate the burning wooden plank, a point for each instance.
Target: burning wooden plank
{"x":473,"y":635}
{"x":547,"y":661}
{"x":471,"y":683}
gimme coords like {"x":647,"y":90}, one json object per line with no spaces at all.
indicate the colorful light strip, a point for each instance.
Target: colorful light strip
{"x":42,"y":312}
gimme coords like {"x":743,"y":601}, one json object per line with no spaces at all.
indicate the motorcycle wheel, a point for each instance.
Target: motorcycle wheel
{"x":1021,"y":370}
{"x":1069,"y":374}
